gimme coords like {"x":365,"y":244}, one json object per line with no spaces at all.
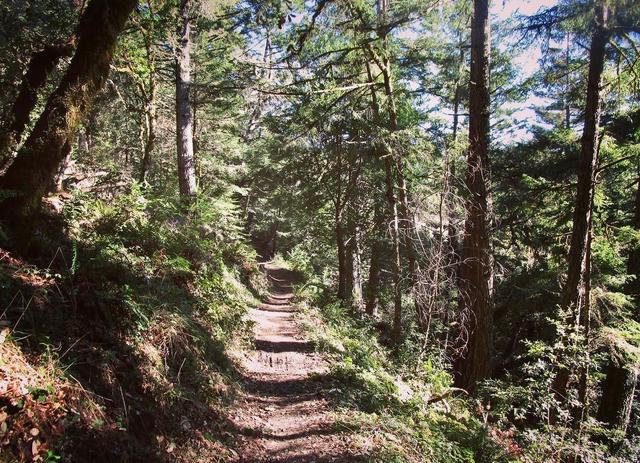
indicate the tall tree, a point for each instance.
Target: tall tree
{"x":394,"y":162}
{"x":184,"y":107}
{"x":476,"y":273}
{"x":38,"y":161}
{"x":576,"y":293}
{"x":150,"y":91}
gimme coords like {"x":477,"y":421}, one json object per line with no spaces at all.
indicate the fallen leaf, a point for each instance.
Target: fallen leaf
{"x":3,"y":334}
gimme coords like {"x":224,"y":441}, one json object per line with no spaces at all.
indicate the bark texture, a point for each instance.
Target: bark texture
{"x":618,"y":390}
{"x":184,"y":112}
{"x":38,"y":161}
{"x":476,"y":274}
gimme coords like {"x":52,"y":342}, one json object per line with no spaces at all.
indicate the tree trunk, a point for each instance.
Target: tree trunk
{"x":567,"y":84}
{"x":373,"y":283}
{"x":576,"y":289}
{"x":349,"y":267}
{"x":151,"y":112}
{"x":395,"y":230}
{"x":582,"y":408}
{"x":618,"y":390}
{"x":342,"y":260}
{"x":39,"y":159}
{"x":356,"y":270}
{"x":59,"y":178}
{"x":184,"y":114}
{"x":406,"y":223}
{"x":476,"y":274}
{"x":452,"y":260}
{"x":150,"y":142}
{"x":372,"y":304}
{"x":395,"y":239}
{"x":40,"y":66}
{"x":633,"y":264}
{"x":403,"y":222}
{"x":83,"y":141}
{"x":392,"y":200}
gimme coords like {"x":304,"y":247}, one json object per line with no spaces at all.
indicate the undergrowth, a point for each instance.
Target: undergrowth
{"x":406,"y":412}
{"x":130,"y":312}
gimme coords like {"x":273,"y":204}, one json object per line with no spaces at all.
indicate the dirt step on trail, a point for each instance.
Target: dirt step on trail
{"x":282,"y":416}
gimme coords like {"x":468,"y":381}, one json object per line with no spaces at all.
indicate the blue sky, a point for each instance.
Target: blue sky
{"x":527,"y":61}
{"x":503,"y":9}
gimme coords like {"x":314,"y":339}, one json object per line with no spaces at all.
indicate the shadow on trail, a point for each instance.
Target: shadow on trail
{"x":285,"y":417}
{"x":287,"y":387}
{"x":284,"y":346}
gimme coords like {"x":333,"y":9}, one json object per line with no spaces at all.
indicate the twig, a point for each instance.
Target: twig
{"x":124,"y":404}
{"x":22,"y":314}
{"x":72,"y":346}
{"x":180,"y":369}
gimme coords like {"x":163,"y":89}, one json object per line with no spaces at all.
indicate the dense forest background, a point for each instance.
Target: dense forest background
{"x":455,"y":182}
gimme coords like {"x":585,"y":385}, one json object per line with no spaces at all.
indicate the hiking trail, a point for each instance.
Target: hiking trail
{"x":282,"y":415}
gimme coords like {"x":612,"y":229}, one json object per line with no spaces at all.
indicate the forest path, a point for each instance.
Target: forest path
{"x":282,"y":415}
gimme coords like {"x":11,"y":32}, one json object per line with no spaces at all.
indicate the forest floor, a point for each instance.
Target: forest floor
{"x":283,"y":414}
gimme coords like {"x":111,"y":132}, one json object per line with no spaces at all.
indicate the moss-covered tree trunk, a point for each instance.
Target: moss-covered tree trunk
{"x":38,"y":161}
{"x":151,"y":106}
{"x":476,"y":273}
{"x":38,"y":70}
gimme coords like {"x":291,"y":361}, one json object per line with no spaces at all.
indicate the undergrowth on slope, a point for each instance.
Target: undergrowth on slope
{"x":130,"y":312}
{"x":407,"y":412}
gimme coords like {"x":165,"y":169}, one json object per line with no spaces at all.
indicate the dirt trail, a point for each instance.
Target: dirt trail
{"x":283,"y":416}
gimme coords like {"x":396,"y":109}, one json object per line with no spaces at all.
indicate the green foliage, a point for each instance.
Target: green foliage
{"x":383,"y":396}
{"x":165,"y":251}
